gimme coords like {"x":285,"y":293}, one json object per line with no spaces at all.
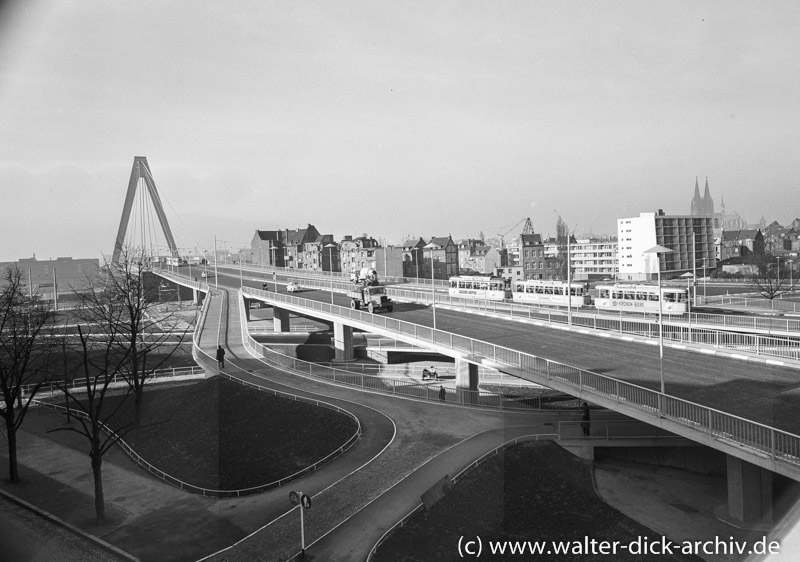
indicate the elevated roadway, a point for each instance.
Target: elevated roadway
{"x":743,"y":409}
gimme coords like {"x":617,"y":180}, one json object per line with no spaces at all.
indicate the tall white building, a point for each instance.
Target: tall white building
{"x":690,"y":237}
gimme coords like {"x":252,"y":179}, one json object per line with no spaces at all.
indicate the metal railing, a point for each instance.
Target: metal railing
{"x":673,"y":330}
{"x":79,"y":385}
{"x":778,"y":303}
{"x":762,"y":441}
{"x":408,"y":389}
{"x":612,"y":430}
{"x":178,"y":483}
{"x":211,"y":362}
{"x":380,"y":369}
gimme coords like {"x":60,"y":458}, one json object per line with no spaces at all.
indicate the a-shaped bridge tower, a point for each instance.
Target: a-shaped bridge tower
{"x":141,"y":171}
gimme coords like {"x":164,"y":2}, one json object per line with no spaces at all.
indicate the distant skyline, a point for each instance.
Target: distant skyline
{"x":390,"y":118}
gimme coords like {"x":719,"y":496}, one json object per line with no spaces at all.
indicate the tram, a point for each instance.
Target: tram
{"x":478,"y":287}
{"x":548,"y":292}
{"x":641,"y":298}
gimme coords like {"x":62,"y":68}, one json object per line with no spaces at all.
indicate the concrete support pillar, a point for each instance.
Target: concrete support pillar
{"x":343,"y":342}
{"x":280,"y":319}
{"x":749,"y":493}
{"x":466,"y":381}
{"x":246,"y":303}
{"x":195,"y":298}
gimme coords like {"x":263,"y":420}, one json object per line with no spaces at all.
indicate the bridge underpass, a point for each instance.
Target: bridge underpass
{"x":761,"y":447}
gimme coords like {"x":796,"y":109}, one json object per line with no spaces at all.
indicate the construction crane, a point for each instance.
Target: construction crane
{"x":527,"y":229}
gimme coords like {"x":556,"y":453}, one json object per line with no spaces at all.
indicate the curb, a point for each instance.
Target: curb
{"x":70,"y":527}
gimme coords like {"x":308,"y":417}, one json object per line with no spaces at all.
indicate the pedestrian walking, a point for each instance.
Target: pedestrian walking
{"x":585,"y":423}
{"x":221,"y":357}
{"x":442,"y":393}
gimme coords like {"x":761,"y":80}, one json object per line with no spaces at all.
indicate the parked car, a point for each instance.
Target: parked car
{"x":292,"y":287}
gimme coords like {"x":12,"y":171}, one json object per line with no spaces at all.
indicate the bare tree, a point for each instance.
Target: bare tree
{"x":770,"y":277}
{"x":101,"y":363}
{"x":123,"y":302}
{"x":24,"y":355}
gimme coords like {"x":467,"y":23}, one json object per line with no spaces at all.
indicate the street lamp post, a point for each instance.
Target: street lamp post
{"x":433,"y":292}
{"x":274,"y":273}
{"x":791,"y":280}
{"x":569,"y":283}
{"x":416,"y":259}
{"x":330,"y":265}
{"x":216,"y":277}
{"x":658,"y":250}
{"x":778,"y":273}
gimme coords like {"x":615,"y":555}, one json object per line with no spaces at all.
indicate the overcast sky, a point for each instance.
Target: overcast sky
{"x":390,"y":118}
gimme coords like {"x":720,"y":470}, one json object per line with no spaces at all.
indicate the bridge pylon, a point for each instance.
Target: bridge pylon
{"x":141,"y":170}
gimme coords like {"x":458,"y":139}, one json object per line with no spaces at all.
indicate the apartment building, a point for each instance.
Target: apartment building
{"x":691,"y":239}
{"x":593,"y":258}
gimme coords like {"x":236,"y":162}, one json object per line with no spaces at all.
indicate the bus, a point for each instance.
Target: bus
{"x":641,"y":298}
{"x":478,"y":287}
{"x":548,"y":292}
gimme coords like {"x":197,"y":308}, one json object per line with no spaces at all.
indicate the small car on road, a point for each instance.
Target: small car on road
{"x":292,"y":287}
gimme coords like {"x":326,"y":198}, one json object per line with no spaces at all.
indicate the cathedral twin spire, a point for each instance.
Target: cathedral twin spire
{"x":702,"y":206}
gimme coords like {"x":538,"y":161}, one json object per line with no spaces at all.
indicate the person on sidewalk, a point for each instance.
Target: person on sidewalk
{"x":585,"y":423}
{"x":221,"y":357}
{"x":442,"y":393}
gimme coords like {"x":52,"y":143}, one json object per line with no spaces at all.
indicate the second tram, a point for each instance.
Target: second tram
{"x":547,"y":292}
{"x":478,"y":287}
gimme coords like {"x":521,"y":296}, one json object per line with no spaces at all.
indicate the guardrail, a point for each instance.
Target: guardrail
{"x":178,"y":483}
{"x":681,"y":333}
{"x":206,"y":358}
{"x":292,"y":328}
{"x":77,"y":385}
{"x":410,"y":389}
{"x":727,"y":430}
{"x":674,"y":329}
{"x":380,"y":369}
{"x":613,"y":430}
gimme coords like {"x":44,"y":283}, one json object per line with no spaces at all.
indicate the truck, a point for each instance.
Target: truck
{"x":371,"y":297}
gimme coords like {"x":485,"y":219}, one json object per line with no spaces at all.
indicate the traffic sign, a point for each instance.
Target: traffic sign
{"x":294,"y":497}
{"x":305,"y":501}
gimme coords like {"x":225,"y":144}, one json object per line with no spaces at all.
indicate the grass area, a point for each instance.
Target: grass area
{"x":532,"y":492}
{"x":220,"y":435}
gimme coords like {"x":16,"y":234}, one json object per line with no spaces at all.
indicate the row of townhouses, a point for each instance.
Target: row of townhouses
{"x":675,"y":245}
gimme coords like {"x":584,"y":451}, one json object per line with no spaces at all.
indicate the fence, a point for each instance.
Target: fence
{"x":612,"y":429}
{"x":781,"y":447}
{"x":197,"y":370}
{"x":755,"y":302}
{"x":409,"y":389}
{"x":674,"y":330}
{"x":178,"y":483}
